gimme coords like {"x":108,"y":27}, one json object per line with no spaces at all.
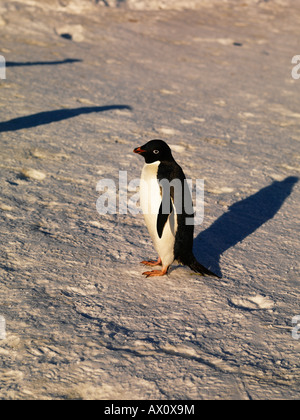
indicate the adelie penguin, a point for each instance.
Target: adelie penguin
{"x":168,"y":209}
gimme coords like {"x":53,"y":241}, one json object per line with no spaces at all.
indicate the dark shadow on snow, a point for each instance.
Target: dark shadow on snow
{"x":49,"y":117}
{"x":42,"y":63}
{"x":241,"y":220}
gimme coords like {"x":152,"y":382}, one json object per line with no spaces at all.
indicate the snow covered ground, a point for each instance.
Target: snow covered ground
{"x":82,"y":90}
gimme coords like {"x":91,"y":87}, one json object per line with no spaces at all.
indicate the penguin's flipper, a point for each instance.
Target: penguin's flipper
{"x":162,"y":217}
{"x":166,"y":207}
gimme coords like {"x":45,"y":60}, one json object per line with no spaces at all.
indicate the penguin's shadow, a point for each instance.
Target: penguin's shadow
{"x":241,"y":220}
{"x":48,"y":117}
{"x":42,"y":63}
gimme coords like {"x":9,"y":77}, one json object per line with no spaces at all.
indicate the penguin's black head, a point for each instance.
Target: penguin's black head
{"x":155,"y":150}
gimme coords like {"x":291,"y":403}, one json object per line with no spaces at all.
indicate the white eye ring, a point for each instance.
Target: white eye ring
{"x":156,"y":152}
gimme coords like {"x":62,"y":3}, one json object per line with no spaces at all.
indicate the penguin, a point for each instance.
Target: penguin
{"x":167,"y":207}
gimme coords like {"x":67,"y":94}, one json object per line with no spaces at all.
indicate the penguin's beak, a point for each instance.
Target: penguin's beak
{"x":139,"y":150}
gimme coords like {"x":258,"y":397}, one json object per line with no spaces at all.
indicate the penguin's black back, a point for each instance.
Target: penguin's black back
{"x":183,"y":247}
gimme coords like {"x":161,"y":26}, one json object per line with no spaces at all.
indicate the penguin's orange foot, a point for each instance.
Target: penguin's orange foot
{"x":152,"y":263}
{"x":156,"y":273}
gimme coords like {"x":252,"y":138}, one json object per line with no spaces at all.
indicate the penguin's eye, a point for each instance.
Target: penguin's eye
{"x":156,"y":152}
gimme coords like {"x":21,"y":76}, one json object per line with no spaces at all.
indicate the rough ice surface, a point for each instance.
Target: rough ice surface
{"x":85,"y":84}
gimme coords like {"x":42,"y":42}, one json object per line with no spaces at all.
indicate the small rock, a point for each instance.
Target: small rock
{"x":33,"y":174}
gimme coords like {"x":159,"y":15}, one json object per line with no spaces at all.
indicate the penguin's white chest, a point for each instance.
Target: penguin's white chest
{"x":150,"y":199}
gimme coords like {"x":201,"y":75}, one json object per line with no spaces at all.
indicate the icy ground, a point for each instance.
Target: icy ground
{"x":83,"y":90}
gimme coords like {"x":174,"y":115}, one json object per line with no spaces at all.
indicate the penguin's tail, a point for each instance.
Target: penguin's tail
{"x":199,"y":268}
